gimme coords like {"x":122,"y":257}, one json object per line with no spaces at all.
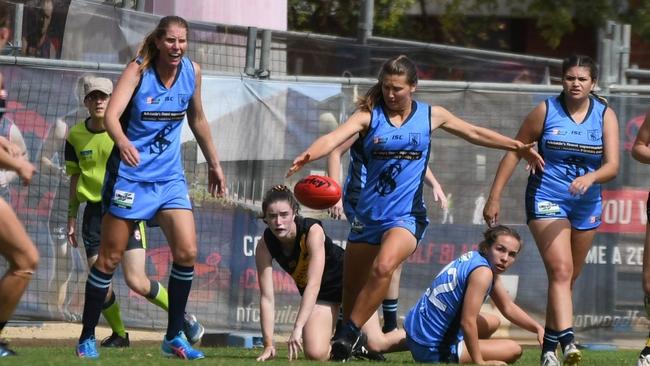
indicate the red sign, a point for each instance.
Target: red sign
{"x":624,"y":211}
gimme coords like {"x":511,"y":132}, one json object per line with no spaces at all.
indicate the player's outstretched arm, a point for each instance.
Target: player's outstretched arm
{"x":263,"y":262}
{"x":513,"y":312}
{"x":530,"y":131}
{"x":325,"y":144}
{"x":316,"y":247}
{"x":334,"y":172}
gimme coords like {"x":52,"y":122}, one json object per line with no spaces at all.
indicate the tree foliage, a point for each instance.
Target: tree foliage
{"x":459,"y":24}
{"x":341,"y":17}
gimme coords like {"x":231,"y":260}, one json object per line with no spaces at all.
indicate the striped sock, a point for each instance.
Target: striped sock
{"x":180,"y":283}
{"x":550,"y":340}
{"x":566,"y":337}
{"x":389,"y":307}
{"x":97,"y":286}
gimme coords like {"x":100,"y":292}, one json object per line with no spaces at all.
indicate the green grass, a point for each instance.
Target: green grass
{"x":149,"y":355}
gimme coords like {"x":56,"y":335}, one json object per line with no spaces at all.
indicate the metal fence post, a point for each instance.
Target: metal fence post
{"x":251,"y":44}
{"x":625,"y":53}
{"x":18,"y":29}
{"x":265,"y":55}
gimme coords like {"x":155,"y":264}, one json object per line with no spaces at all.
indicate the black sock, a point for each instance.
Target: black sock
{"x":180,"y":283}
{"x":110,"y":302}
{"x":97,"y":286}
{"x":153,"y":290}
{"x":389,"y":307}
{"x":566,"y":337}
{"x":550,"y":340}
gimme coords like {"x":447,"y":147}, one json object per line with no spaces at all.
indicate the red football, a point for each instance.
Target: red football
{"x":317,"y":192}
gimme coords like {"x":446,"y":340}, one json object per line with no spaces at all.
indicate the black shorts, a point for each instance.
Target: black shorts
{"x":91,"y":231}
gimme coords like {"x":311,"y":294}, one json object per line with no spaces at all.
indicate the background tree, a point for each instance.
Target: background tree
{"x":468,"y":22}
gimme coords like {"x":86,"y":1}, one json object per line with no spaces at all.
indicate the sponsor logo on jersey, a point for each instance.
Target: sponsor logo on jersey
{"x":152,"y":100}
{"x":86,"y":154}
{"x":356,"y":226}
{"x":379,"y":140}
{"x":162,"y":116}
{"x":548,"y":208}
{"x":123,"y":199}
{"x":557,"y":131}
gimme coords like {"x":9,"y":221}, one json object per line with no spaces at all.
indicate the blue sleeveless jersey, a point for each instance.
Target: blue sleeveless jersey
{"x":355,"y":179}
{"x":396,"y":160}
{"x":569,"y":150}
{"x":153,"y":121}
{"x":434,"y":321}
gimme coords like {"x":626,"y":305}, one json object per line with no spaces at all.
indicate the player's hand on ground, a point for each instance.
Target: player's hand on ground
{"x":128,"y":153}
{"x":72,"y":235}
{"x":540,"y":336}
{"x":269,"y":353}
{"x":216,"y":181}
{"x":25,"y":170}
{"x":336,"y":211}
{"x":295,"y":344}
{"x":298,"y":163}
{"x":491,"y":211}
{"x":534,"y":159}
{"x":581,"y":184}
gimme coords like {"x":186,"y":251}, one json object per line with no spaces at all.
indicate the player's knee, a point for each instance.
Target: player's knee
{"x":108,"y":261}
{"x":185,"y":255}
{"x":25,"y":261}
{"x":383,"y":269}
{"x":317,"y":353}
{"x":561,"y":273}
{"x":516,"y":354}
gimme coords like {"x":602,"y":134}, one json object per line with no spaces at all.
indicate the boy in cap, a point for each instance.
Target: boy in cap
{"x":87,"y":151}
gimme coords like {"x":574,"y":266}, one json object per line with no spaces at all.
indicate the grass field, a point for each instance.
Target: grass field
{"x":150,"y":356}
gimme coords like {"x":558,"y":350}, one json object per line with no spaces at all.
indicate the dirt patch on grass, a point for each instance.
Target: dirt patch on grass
{"x":55,"y":334}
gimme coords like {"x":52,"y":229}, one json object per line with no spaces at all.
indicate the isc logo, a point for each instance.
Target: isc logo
{"x":398,"y":137}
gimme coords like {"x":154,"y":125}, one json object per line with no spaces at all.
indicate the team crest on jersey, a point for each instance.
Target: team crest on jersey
{"x":379,"y":140}
{"x":152,"y":100}
{"x":183,"y":99}
{"x":594,"y":135}
{"x":123,"y":199}
{"x":414,"y":138}
{"x":548,"y":208}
